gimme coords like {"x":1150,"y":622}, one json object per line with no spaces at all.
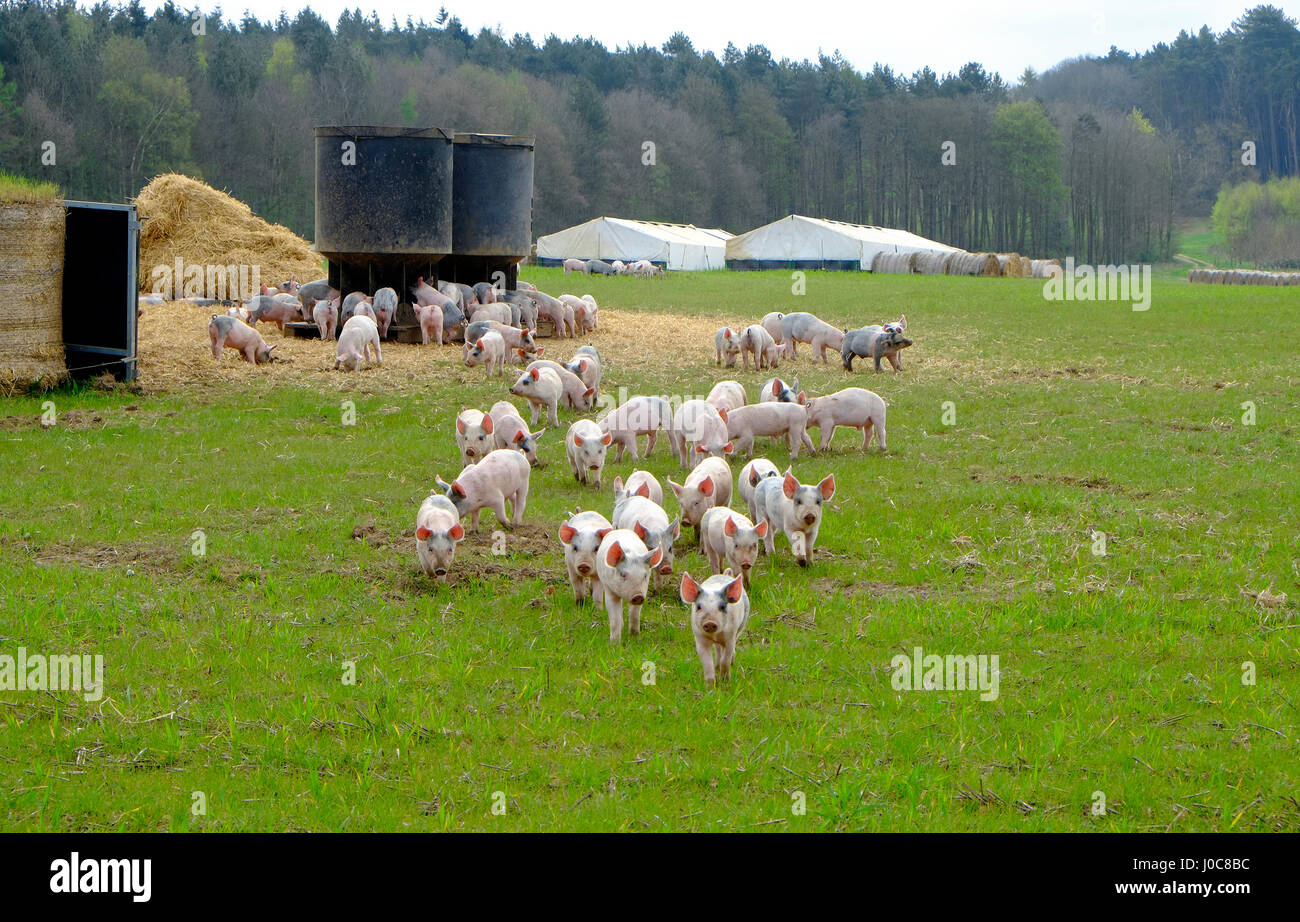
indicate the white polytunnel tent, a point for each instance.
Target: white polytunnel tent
{"x":797,"y":242}
{"x":673,"y":246}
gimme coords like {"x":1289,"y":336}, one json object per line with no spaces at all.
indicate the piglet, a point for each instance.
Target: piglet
{"x":750,"y":475}
{"x":510,"y":431}
{"x":541,"y":387}
{"x":623,"y":565}
{"x":232,"y":333}
{"x":726,"y":344}
{"x":795,"y":509}
{"x":585,"y":447}
{"x":489,"y":350}
{"x":581,"y":536}
{"x":730,"y":537}
{"x":474,"y":435}
{"x":437,"y":532}
{"x":500,"y":478}
{"x":707,"y":486}
{"x":855,"y":407}
{"x":325,"y":314}
{"x":385,"y":304}
{"x":430,"y":320}
{"x":359,"y":336}
{"x":719,"y":612}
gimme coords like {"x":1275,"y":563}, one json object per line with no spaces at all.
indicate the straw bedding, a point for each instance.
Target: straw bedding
{"x":175,"y":352}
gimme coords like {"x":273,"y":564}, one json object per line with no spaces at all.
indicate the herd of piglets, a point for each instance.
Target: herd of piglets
{"x":495,"y":325}
{"x":621,"y":558}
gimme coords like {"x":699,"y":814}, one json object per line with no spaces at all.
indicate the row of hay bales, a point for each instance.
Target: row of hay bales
{"x":959,"y":262}
{"x":1242,"y":277}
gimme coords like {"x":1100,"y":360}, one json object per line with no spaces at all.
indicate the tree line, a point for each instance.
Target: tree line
{"x":1095,"y":157}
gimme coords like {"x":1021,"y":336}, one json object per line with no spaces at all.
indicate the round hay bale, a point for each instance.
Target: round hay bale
{"x":189,"y":220}
{"x":932,"y":263}
{"x":31,"y":292}
{"x":1043,"y":268}
{"x":894,"y":263}
{"x":1008,"y":264}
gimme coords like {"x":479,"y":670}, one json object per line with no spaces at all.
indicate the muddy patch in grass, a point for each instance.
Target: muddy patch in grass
{"x":136,"y":557}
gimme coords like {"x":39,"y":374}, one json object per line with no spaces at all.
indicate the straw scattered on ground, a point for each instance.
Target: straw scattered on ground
{"x":175,"y":352}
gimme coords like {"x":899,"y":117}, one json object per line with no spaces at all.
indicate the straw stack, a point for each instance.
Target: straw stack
{"x":31,"y":291}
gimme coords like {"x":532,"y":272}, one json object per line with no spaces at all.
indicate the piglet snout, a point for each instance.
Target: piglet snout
{"x":638,"y":600}
{"x":809,"y":519}
{"x":710,"y":627}
{"x":666,"y":569}
{"x":584,"y":568}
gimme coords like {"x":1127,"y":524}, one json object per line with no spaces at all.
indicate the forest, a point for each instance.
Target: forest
{"x":1097,"y":157}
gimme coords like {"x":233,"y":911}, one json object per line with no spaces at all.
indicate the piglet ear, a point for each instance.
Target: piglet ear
{"x":639,"y":530}
{"x":776,"y":387}
{"x":827,"y":486}
{"x":729,"y":527}
{"x":590,"y":392}
{"x":456,"y":532}
{"x":460,"y":424}
{"x":534,"y":374}
{"x":602,"y":532}
{"x":729,"y":448}
{"x":753,"y":477}
{"x":519,"y":437}
{"x":726,"y":334}
{"x":423,"y":533}
{"x":655,"y":556}
{"x":487,"y":424}
{"x":700,"y":449}
{"x":706,"y":486}
{"x":457,"y":488}
{"x":723,"y":413}
{"x":567,"y":532}
{"x":614,"y":554}
{"x":735,"y":589}
{"x":606,"y":438}
{"x":790,"y":485}
{"x":577,"y":440}
{"x":643,"y":490}
{"x":761,"y":529}
{"x":803,"y":398}
{"x":690,"y":589}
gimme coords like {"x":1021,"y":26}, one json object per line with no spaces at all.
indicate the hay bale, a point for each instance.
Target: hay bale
{"x":1008,"y":264}
{"x":894,"y":263}
{"x":31,"y":292}
{"x":989,"y":267}
{"x":931,"y":263}
{"x":1044,"y":268}
{"x":189,"y":220}
{"x":958,"y":264}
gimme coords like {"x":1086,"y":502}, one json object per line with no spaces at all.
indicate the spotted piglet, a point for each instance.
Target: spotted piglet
{"x":719,"y":612}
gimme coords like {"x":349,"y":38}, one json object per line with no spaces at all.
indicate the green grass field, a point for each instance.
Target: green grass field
{"x":1125,"y":674}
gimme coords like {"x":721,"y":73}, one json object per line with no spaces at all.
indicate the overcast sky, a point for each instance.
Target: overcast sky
{"x":1002,"y":35}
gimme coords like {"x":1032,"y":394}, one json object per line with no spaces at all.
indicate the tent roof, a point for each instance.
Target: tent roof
{"x":796,"y":237}
{"x":680,"y":245}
